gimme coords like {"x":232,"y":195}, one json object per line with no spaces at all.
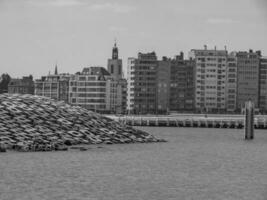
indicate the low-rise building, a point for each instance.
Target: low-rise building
{"x":54,"y":86}
{"x":88,"y":89}
{"x":25,"y":85}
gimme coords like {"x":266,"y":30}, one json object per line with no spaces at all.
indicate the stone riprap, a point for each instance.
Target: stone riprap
{"x":30,"y":122}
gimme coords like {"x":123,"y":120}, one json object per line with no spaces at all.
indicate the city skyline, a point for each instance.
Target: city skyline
{"x":74,"y":34}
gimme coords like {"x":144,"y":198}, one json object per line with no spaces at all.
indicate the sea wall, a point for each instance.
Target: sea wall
{"x":235,"y":121}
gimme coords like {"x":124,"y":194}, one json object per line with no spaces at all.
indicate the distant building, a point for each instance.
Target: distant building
{"x":163,"y":85}
{"x":88,"y":89}
{"x":231,"y":83}
{"x":4,"y":81}
{"x":247,"y":78}
{"x":21,"y":86}
{"x":142,"y":84}
{"x":115,"y":64}
{"x":116,"y":84}
{"x":263,"y":85}
{"x":210,"y":82}
{"x":54,"y":86}
{"x":182,"y":85}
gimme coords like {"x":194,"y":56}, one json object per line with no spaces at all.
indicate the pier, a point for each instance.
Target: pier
{"x":198,"y":121}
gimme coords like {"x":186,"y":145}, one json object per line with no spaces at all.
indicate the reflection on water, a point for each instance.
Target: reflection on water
{"x":194,"y":164}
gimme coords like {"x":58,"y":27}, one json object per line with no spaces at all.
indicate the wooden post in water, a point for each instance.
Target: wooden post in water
{"x":249,"y":120}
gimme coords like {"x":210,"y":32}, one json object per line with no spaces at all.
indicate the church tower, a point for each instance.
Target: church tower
{"x":115,"y":52}
{"x":115,"y":64}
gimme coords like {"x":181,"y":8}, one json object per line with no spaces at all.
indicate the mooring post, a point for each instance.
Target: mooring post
{"x":249,"y":120}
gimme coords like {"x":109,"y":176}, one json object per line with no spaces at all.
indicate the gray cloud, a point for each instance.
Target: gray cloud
{"x":221,"y":21}
{"x":114,"y":7}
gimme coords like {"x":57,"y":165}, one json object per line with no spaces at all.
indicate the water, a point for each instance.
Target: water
{"x":195,"y":164}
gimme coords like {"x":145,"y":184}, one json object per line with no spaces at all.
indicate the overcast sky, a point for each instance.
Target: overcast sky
{"x":36,"y":34}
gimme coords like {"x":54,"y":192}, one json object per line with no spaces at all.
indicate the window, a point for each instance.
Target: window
{"x":112,"y":69}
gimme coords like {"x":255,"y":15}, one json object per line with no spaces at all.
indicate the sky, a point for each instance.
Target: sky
{"x":35,"y":35}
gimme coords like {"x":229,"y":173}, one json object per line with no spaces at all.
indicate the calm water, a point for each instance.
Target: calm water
{"x":194,"y":164}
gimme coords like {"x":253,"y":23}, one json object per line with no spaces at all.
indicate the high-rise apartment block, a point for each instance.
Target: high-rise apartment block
{"x":142,"y":84}
{"x":210,"y":80}
{"x":182,"y":84}
{"x":163,"y":86}
{"x":160,"y":86}
{"x":231,"y":83}
{"x":247,"y":77}
{"x":263,"y":85}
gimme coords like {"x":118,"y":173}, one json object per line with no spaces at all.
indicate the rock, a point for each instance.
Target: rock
{"x":34,"y":123}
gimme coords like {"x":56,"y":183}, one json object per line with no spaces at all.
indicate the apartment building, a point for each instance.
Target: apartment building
{"x":263,"y":85}
{"x":247,"y":77}
{"x":182,"y":84}
{"x":210,"y":79}
{"x":142,"y":84}
{"x":231,"y":83}
{"x":163,"y":85}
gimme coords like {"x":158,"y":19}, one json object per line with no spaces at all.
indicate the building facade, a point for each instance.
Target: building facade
{"x":54,"y":86}
{"x":115,"y":64}
{"x":116,"y":84}
{"x":182,"y":85}
{"x":21,"y":86}
{"x":231,"y":83}
{"x":163,"y":86}
{"x":88,"y":89}
{"x":142,"y":84}
{"x":263,"y":85}
{"x":247,"y":78}
{"x":210,"y":81}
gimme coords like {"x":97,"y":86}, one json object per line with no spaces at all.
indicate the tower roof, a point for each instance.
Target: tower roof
{"x":115,"y":51}
{"x":56,"y":70}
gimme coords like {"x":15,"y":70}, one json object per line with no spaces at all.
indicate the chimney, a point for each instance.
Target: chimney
{"x":205,"y":47}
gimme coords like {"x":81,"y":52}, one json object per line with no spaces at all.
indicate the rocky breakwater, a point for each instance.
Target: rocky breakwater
{"x":34,"y":123}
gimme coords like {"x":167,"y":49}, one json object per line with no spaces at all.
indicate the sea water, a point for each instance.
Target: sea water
{"x":196,"y":163}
